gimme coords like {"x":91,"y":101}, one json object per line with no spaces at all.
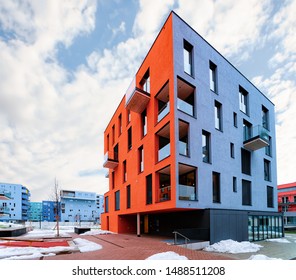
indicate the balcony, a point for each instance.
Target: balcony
{"x":164,"y":152}
{"x":163,"y":111}
{"x":185,"y":107}
{"x":187,"y":192}
{"x":136,"y":99}
{"x":110,"y":160}
{"x":183,"y":148}
{"x":255,"y":138}
{"x":164,"y":194}
{"x":4,"y":211}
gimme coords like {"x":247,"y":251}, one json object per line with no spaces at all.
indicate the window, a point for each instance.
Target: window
{"x":234,"y":119}
{"x":141,"y":159}
{"x":128,"y":117}
{"x":146,"y":82}
{"x":106,"y":204}
{"x":246,"y":161}
{"x":119,"y":124}
{"x":213,"y":77}
{"x":216,"y":187}
{"x":129,"y":139}
{"x":206,"y":146}
{"x":112,"y":180}
{"x":243,"y":98}
{"x":247,"y":127}
{"x":107,"y":142}
{"x":267,"y":175}
{"x":294,"y":198}
{"x":124,"y":172}
{"x":232,"y":150}
{"x":218,"y":115}
{"x":188,"y":58}
{"x":113,"y":134}
{"x":234,"y":184}
{"x":268,"y":147}
{"x":144,"y":122}
{"x":117,"y":200}
{"x":246,"y":193}
{"x":269,"y":191}
{"x":265,"y":117}
{"x":128,"y":196}
{"x":149,"y":189}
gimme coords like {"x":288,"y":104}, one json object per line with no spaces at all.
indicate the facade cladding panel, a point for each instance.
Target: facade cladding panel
{"x":184,"y":93}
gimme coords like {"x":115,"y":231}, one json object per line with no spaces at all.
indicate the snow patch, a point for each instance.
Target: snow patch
{"x":233,"y":247}
{"x":261,"y":257}
{"x":97,"y":232}
{"x":167,"y":256}
{"x":279,"y":240}
{"x":86,"y":246}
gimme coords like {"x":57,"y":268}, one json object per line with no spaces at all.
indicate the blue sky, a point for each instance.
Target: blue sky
{"x":65,"y":65}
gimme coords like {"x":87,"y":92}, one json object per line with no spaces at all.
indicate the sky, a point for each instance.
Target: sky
{"x":65,"y":66}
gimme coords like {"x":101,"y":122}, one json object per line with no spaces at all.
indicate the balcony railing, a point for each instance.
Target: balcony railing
{"x":183,"y":148}
{"x":164,"y":194}
{"x":164,"y":152}
{"x":255,"y":137}
{"x":137,"y":99}
{"x":187,"y":192}
{"x":110,"y":160}
{"x":163,"y":112}
{"x":185,"y":107}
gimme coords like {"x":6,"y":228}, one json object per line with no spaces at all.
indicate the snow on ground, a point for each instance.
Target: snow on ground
{"x":233,"y":247}
{"x":41,"y":233}
{"x":167,"y":256}
{"x":279,"y":240}
{"x":8,"y":225}
{"x":96,"y":232}
{"x":32,"y":252}
{"x":261,"y":257}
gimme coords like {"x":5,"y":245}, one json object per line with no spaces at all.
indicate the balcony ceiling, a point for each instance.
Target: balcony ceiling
{"x":184,"y":89}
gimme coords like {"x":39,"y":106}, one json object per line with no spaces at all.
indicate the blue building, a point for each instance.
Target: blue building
{"x":100,"y":206}
{"x":35,"y":211}
{"x":16,"y":203}
{"x":49,"y":211}
{"x":77,"y":206}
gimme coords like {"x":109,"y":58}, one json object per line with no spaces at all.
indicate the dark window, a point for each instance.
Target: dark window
{"x":270,"y":197}
{"x":107,"y":142}
{"x":246,"y":161}
{"x":206,"y":146}
{"x":112,"y":180}
{"x":246,"y":193}
{"x":106,"y":204}
{"x":124,"y":172}
{"x":234,"y":184}
{"x":213,"y":77}
{"x":216,"y":187}
{"x":218,"y":115}
{"x":265,"y":117}
{"x":117,"y":200}
{"x":146,"y":82}
{"x":128,"y":116}
{"x":113,"y":134}
{"x":243,"y":98}
{"x":188,"y":58}
{"x":119,"y":124}
{"x":268,"y":147}
{"x":247,"y":127}
{"x":232,"y":150}
{"x":129,"y":138}
{"x":128,"y":196}
{"x":267,"y":175}
{"x":149,"y":189}
{"x":234,"y":119}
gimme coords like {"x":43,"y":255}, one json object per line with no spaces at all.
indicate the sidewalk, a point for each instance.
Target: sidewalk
{"x":131,"y":247}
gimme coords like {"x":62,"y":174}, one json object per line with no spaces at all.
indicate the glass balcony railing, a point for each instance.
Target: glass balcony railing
{"x":164,"y":194}
{"x":110,"y":160}
{"x":163,"y":112}
{"x":187,"y":192}
{"x":255,"y":137}
{"x":183,"y":148}
{"x":185,"y":107}
{"x":164,"y":152}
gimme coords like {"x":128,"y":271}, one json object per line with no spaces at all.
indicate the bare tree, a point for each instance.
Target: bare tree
{"x":56,"y":198}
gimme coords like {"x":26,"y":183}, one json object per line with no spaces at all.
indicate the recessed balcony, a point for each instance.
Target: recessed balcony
{"x":255,"y":138}
{"x":110,"y":160}
{"x":137,"y":99}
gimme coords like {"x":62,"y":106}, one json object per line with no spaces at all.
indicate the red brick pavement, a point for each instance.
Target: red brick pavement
{"x":131,"y":247}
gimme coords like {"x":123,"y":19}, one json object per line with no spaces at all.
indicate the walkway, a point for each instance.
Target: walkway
{"x":131,"y":247}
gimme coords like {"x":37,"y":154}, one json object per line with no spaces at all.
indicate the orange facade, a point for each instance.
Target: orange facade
{"x":287,"y":197}
{"x":133,"y":142}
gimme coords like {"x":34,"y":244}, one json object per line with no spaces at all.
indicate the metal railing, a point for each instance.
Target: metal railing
{"x":176,"y":233}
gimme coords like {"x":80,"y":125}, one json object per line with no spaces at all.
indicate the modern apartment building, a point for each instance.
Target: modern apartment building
{"x":35,"y":211}
{"x":49,"y":211}
{"x":191,"y":147}
{"x":14,"y":202}
{"x":287,"y":203}
{"x":79,"y":206}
